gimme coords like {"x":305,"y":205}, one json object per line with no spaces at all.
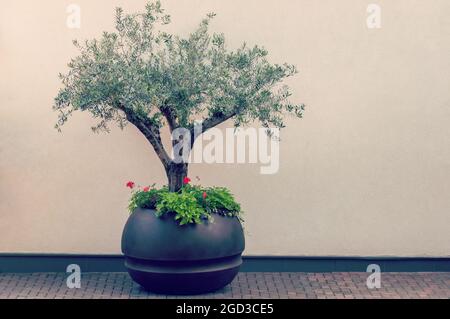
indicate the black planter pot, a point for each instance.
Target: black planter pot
{"x":164,"y":257}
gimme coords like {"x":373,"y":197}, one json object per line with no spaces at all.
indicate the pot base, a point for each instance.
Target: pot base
{"x":183,"y":278}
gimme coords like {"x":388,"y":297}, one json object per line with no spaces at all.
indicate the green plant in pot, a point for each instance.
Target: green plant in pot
{"x":181,"y":238}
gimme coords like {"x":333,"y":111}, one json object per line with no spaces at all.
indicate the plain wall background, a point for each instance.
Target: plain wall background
{"x":366,"y":172}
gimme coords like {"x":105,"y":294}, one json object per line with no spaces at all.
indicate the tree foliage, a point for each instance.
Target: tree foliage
{"x":141,"y":74}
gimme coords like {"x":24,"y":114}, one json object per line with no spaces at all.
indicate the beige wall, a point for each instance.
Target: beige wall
{"x":366,"y":172}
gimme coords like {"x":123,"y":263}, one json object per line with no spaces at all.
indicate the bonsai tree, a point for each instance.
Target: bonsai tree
{"x":142,"y":75}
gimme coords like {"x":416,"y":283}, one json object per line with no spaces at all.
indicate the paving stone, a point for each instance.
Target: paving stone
{"x":246,"y":285}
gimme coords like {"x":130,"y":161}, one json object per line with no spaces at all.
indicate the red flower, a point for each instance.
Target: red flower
{"x":186,"y":180}
{"x":204,"y":195}
{"x":146,"y":189}
{"x":130,"y":184}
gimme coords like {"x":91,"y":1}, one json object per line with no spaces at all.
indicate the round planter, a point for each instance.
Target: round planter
{"x":165,"y":257}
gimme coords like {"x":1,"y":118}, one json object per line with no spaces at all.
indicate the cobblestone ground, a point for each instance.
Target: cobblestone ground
{"x":246,"y":285}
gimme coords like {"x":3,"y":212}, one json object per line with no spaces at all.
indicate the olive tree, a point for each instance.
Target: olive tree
{"x":142,"y":75}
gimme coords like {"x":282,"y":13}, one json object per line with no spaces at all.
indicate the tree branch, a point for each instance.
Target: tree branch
{"x":170,"y":116}
{"x":216,"y":120}
{"x":150,"y":132}
{"x":210,"y":123}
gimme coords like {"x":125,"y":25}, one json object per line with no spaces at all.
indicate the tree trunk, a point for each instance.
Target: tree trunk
{"x":175,"y":174}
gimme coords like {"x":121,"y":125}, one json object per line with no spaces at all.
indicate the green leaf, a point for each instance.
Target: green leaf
{"x":148,"y":71}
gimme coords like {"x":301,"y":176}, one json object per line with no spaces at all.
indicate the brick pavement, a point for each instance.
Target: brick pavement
{"x":246,"y":285}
